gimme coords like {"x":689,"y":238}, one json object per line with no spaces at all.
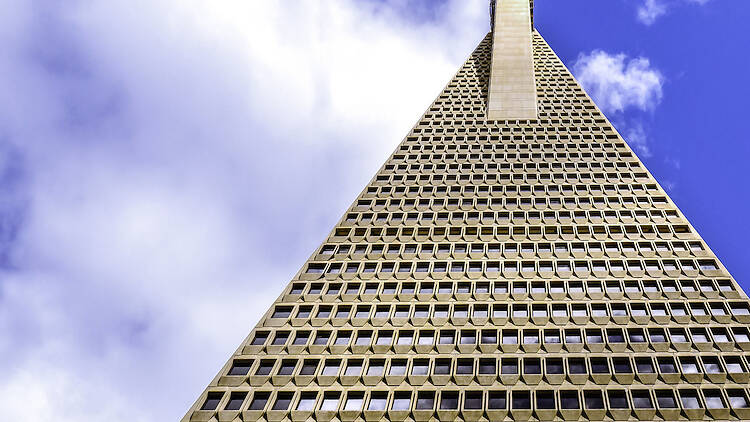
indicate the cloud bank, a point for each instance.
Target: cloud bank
{"x":167,"y":166}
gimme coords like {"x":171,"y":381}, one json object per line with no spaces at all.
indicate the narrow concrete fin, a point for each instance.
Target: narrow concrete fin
{"x":512,"y":88}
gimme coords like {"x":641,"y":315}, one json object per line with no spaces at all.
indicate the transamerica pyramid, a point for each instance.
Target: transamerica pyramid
{"x":512,"y":260}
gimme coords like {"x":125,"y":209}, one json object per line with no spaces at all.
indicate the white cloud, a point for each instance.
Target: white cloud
{"x":168,"y":165}
{"x":651,"y":10}
{"x":617,"y":83}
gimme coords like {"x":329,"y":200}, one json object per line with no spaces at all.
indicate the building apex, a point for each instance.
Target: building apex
{"x":492,"y":13}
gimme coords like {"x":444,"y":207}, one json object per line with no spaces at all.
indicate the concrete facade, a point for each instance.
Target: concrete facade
{"x":502,"y":269}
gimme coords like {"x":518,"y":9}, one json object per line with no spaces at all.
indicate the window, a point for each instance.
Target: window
{"x":521,"y":400}
{"x":497,"y":400}
{"x":353,"y":368}
{"x":449,"y":400}
{"x":509,"y":366}
{"x":283,"y":400}
{"x":304,"y":312}
{"x":420,"y":367}
{"x":593,"y":399}
{"x":577,"y":365}
{"x":665,"y":399}
{"x":322,"y":338}
{"x":331,"y":367}
{"x":259,"y":401}
{"x":473,"y":400}
{"x":487,"y":366}
{"x":644,"y":365}
{"x":636,"y":335}
{"x":465,"y":367}
{"x":442,"y":367}
{"x":384,"y":338}
{"x":599,"y":365}
{"x":714,"y":400}
{"x":398,"y":367}
{"x":617,"y":399}
{"x":689,"y":399}
{"x":240,"y":367}
{"x":378,"y":400}
{"x":376,"y":368}
{"x":287,"y":367}
{"x":569,"y":400}
{"x":532,"y":366}
{"x":545,"y":400}
{"x":468,"y":337}
{"x":712,"y":365}
{"x":280,"y":338}
{"x":307,"y":402}
{"x":425,"y":400}
{"x":235,"y":401}
{"x":489,"y":337}
{"x":738,"y":399}
{"x":265,"y":367}
{"x":331,"y":401}
{"x":447,"y":337}
{"x":401,"y":400}
{"x":212,"y":401}
{"x":622,"y":365}
{"x":259,"y":339}
{"x":405,"y":337}
{"x":667,"y":365}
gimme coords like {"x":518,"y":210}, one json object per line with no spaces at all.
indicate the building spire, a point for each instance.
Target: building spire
{"x":512,"y":89}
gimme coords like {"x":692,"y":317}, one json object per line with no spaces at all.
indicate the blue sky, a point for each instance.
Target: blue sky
{"x":167,"y":165}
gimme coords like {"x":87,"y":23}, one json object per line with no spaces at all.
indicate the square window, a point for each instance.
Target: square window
{"x":497,"y":400}
{"x":378,"y":401}
{"x":307,"y":402}
{"x":521,"y":400}
{"x":401,"y":400}
{"x":593,"y":399}
{"x":569,"y":400}
{"x":283,"y":400}
{"x":331,"y":402}
{"x":398,"y":367}
{"x":545,"y":400}
{"x":617,"y":399}
{"x":240,"y":367}
{"x":353,"y":368}
{"x":689,"y":399}
{"x":212,"y":400}
{"x":235,"y":401}
{"x":376,"y":368}
{"x":331,"y":367}
{"x":425,"y":400}
{"x":420,"y":367}
{"x":665,"y":399}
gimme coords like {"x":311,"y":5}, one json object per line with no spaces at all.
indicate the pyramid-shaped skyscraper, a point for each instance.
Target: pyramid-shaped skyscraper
{"x":512,"y":260}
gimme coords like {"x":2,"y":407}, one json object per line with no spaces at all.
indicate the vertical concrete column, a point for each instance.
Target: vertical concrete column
{"x":512,"y":89}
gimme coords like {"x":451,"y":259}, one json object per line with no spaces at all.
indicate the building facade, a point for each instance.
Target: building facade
{"x":512,"y":260}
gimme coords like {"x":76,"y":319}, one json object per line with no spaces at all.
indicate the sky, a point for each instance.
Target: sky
{"x":166,"y":166}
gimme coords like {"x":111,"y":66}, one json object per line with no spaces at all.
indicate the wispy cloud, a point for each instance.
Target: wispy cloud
{"x":166,"y":166}
{"x":638,"y":139}
{"x":651,"y":10}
